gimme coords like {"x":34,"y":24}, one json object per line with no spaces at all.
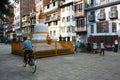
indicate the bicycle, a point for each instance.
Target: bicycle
{"x":31,"y":61}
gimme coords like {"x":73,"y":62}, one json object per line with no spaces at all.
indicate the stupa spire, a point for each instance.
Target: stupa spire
{"x":41,"y":14}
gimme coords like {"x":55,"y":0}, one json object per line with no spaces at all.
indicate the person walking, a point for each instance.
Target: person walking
{"x":94,"y":47}
{"x":77,"y":44}
{"x":116,"y":45}
{"x":27,"y":46}
{"x":119,"y":45}
{"x":102,"y":47}
{"x":88,"y":47}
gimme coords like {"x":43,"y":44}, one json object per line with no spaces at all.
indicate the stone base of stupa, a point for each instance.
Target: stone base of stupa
{"x":42,"y":49}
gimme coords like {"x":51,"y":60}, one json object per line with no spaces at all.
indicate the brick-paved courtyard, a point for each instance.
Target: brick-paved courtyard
{"x":80,"y":66}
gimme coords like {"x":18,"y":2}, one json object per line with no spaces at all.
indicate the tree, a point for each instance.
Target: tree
{"x":5,"y":6}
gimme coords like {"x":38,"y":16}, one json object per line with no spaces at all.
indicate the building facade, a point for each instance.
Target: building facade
{"x":52,"y":13}
{"x":80,"y":19}
{"x":22,"y":8}
{"x":103,"y":20}
{"x":67,"y":26}
{"x":17,"y":20}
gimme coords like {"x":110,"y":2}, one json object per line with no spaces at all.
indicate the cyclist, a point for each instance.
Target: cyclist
{"x":27,"y":46}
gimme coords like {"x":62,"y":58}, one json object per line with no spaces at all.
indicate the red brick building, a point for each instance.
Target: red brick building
{"x":23,"y":8}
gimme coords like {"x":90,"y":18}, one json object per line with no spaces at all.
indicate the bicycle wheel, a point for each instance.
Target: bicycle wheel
{"x":32,"y":65}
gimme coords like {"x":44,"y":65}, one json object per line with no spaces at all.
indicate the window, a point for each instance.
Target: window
{"x":113,"y":27}
{"x":102,"y":27}
{"x":72,"y":7}
{"x":48,"y":17}
{"x":114,"y":8}
{"x":49,"y":24}
{"x":75,"y":8}
{"x":55,"y":23}
{"x":92,"y":29}
{"x":54,"y":15}
{"x":68,"y":18}
{"x":54,"y":33}
{"x":101,"y":15}
{"x":73,"y":18}
{"x":68,"y":8}
{"x":51,"y":33}
{"x":80,"y":23}
{"x":63,"y":19}
{"x":78,"y":7}
{"x":68,"y":29}
{"x":77,"y":23}
{"x":47,"y":6}
{"x":92,"y":2}
{"x":53,"y":3}
{"x":63,"y":9}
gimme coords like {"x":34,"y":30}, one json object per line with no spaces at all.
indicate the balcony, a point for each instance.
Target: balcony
{"x":113,"y":14}
{"x":101,"y":16}
{"x":80,"y":29}
{"x":95,"y":6}
{"x":51,"y":10}
{"x":91,"y":18}
{"x":25,"y":24}
{"x":79,"y":14}
{"x":50,"y":19}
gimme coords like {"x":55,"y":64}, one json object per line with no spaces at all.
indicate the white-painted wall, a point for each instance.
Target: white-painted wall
{"x":65,"y":24}
{"x":53,"y":27}
{"x":17,"y":15}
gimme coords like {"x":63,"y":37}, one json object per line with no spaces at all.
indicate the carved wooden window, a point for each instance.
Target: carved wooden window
{"x":102,"y":11}
{"x":101,"y":15}
{"x":77,"y":23}
{"x":78,"y":7}
{"x":102,"y":27}
{"x":113,"y":27}
{"x":80,"y":23}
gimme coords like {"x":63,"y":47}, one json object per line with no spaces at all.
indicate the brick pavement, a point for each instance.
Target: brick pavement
{"x":80,"y":66}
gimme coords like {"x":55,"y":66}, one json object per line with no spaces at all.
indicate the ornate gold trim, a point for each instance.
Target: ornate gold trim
{"x":40,"y":33}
